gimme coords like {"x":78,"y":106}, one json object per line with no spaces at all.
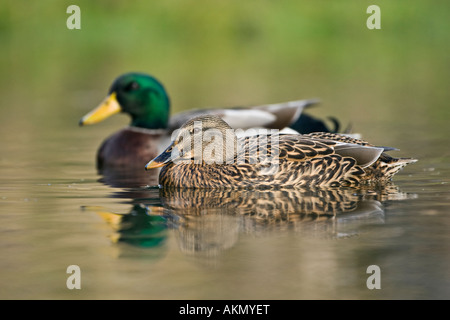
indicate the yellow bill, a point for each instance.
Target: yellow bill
{"x":107,"y":108}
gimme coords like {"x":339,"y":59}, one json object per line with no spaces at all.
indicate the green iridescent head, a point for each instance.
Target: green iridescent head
{"x":139,"y":95}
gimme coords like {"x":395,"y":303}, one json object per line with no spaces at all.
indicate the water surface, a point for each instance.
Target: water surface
{"x":134,"y":241}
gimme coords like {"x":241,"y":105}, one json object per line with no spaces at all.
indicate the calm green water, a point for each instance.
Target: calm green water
{"x":135,"y":242}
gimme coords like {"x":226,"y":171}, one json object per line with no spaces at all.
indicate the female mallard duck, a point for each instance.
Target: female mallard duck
{"x":144,"y":98}
{"x":291,"y":160}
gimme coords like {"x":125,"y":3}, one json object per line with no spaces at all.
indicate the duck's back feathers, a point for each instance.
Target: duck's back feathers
{"x":337,"y":137}
{"x":270,"y":116}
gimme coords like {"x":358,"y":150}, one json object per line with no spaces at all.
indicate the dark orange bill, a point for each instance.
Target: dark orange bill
{"x":161,"y":160}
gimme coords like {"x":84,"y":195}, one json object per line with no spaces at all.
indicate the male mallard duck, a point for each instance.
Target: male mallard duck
{"x":291,"y":160}
{"x":145,"y":99}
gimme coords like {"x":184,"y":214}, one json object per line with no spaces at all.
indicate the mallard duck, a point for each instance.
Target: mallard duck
{"x":290,"y":160}
{"x":146,"y":101}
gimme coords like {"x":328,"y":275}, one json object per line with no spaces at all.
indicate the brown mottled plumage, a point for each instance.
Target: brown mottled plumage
{"x":297,"y":161}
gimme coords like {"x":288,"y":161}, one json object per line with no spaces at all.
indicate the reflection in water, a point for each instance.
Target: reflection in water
{"x":129,"y":178}
{"x":207,"y":222}
{"x":138,"y":227}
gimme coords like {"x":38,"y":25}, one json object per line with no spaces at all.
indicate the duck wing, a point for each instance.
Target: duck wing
{"x":270,"y":116}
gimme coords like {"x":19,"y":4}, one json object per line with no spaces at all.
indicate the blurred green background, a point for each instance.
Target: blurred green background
{"x":392,"y":82}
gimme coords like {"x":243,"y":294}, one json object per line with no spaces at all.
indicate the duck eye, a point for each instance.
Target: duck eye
{"x":132,"y":86}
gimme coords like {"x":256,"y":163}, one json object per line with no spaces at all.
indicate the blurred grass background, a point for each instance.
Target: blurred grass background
{"x":392,"y":82}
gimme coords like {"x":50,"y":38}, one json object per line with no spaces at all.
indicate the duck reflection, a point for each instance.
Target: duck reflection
{"x":139,"y":227}
{"x":272,"y":206}
{"x":207,"y":222}
{"x":210,"y":221}
{"x":128,"y":177}
{"x":269,"y":206}
{"x":130,"y":183}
